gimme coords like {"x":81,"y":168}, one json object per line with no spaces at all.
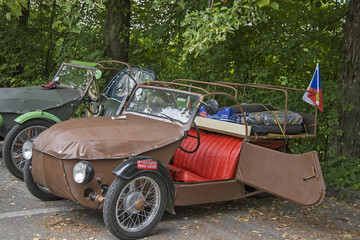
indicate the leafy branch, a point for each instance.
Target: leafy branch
{"x":206,"y":28}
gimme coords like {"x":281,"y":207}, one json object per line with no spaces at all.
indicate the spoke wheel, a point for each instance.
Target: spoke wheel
{"x":134,"y":207}
{"x":17,"y":136}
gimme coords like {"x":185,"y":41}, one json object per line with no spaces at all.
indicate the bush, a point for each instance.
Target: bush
{"x":340,"y":173}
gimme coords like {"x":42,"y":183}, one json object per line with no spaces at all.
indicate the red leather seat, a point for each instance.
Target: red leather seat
{"x":215,"y":159}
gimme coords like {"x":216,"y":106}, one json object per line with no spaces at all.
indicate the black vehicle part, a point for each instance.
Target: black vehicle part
{"x":130,"y":168}
{"x":20,"y":133}
{"x":261,"y":129}
{"x":133,"y":207}
{"x":309,"y":123}
{"x":212,"y":106}
{"x":193,"y":136}
{"x":35,"y":189}
{"x":275,"y":117}
{"x":247,"y":107}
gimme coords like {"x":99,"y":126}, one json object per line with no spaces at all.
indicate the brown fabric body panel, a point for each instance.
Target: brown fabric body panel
{"x":57,"y":174}
{"x":48,"y":172}
{"x":207,"y":192}
{"x":104,"y":138}
{"x":163,"y":154}
{"x":102,"y":175}
{"x":282,"y":174}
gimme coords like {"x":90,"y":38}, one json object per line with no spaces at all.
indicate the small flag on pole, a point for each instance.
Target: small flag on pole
{"x":315,"y":86}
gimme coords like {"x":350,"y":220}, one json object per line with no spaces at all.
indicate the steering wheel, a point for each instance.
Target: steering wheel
{"x":192,"y":136}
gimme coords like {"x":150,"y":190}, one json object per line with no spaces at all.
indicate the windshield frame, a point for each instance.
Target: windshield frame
{"x":82,"y":89}
{"x":192,"y":112}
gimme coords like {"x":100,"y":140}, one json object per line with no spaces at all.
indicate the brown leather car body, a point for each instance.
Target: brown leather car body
{"x":104,"y":142}
{"x":107,"y":142}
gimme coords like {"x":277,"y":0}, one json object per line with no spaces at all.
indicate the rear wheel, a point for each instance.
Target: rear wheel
{"x":17,"y":136}
{"x":134,"y":207}
{"x":37,"y":190}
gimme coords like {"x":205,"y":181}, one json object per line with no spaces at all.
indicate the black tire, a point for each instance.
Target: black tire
{"x":35,"y":189}
{"x":129,"y":199}
{"x":247,"y":107}
{"x":264,"y":129}
{"x":12,"y":148}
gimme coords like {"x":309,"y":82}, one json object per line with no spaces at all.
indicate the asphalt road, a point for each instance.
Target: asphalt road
{"x":23,"y":216}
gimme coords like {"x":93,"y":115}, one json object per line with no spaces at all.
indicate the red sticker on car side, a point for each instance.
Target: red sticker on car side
{"x":144,"y":164}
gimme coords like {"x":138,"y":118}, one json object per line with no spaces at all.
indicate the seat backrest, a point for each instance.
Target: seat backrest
{"x":215,"y":159}
{"x":109,"y":106}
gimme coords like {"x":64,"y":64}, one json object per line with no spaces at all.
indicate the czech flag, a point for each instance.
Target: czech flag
{"x":315,"y":85}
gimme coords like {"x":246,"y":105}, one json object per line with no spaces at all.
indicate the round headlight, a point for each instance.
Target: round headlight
{"x":27,"y":150}
{"x":83,"y":172}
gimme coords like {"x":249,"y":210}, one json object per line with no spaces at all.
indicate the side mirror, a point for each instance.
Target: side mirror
{"x":211,"y":106}
{"x":98,"y":74}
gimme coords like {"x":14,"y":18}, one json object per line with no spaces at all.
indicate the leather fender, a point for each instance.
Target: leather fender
{"x":1,"y":120}
{"x":37,"y":114}
{"x":129,"y":169}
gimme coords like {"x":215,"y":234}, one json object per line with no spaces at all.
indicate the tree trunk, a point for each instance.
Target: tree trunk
{"x":117,"y":30}
{"x":23,"y":27}
{"x":348,"y":144}
{"x":24,"y":19}
{"x":49,"y":62}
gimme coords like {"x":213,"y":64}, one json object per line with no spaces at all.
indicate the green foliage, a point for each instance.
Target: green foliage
{"x":14,"y":8}
{"x":45,"y":34}
{"x":212,"y":25}
{"x":342,"y":173}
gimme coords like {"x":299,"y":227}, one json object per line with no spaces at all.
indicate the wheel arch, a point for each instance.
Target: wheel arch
{"x":1,"y":120}
{"x":36,"y":114}
{"x":129,"y":169}
{"x":13,"y":135}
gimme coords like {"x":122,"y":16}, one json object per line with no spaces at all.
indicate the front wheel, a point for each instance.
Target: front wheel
{"x":17,"y":136}
{"x":37,"y":190}
{"x":134,"y":207}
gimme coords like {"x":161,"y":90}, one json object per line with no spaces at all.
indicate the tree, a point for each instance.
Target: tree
{"x":13,"y":41}
{"x":117,"y":30}
{"x":36,"y":36}
{"x":348,"y":144}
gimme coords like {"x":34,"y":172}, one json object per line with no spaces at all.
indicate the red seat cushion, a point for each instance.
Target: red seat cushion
{"x":181,"y":175}
{"x":215,"y":159}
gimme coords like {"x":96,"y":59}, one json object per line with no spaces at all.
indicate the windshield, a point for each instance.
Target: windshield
{"x":172,"y":105}
{"x":122,"y":84}
{"x":75,"y":76}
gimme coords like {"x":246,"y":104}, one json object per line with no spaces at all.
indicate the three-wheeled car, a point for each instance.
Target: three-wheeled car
{"x":171,"y":146}
{"x":27,"y":111}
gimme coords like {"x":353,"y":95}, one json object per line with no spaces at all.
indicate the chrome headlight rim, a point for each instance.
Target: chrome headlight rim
{"x":83,"y":172}
{"x":27,"y":150}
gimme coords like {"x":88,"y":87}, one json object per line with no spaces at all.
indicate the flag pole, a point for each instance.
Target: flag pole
{"x":318,"y":84}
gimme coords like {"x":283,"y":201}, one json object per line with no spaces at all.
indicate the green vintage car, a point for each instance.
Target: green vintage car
{"x":27,"y":111}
